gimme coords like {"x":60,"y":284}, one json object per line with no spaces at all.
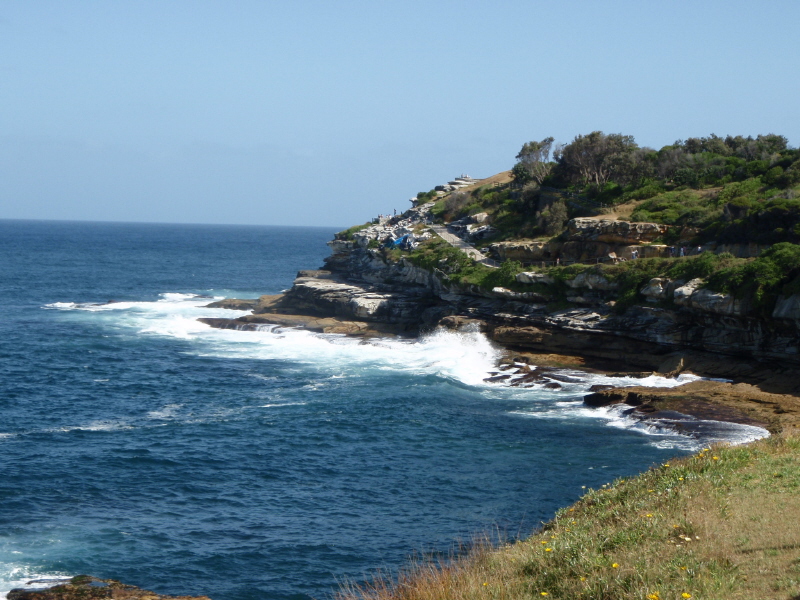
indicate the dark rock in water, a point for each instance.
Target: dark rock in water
{"x":562,"y":377}
{"x":85,"y":587}
{"x":599,"y":387}
{"x":633,"y":374}
{"x":232,"y":303}
{"x":497,"y":378}
{"x":528,"y":378}
{"x":553,"y":385}
{"x":613,"y":396}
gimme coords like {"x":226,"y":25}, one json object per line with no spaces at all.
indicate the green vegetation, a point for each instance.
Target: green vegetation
{"x":347,"y":234}
{"x":436,"y":254}
{"x":733,"y":190}
{"x":423,"y":197}
{"x":722,"y":524}
{"x":759,"y":281}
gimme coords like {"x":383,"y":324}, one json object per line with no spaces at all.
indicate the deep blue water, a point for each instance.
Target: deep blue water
{"x":138,"y":444}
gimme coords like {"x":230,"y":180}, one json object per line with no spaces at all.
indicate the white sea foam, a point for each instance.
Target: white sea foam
{"x":14,"y":576}
{"x":467,"y":357}
{"x":167,"y":412}
{"x":95,"y":426}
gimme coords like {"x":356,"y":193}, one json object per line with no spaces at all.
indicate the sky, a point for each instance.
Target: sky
{"x":328,"y":113}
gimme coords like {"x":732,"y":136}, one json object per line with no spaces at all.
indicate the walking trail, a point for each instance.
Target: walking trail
{"x":457,"y":242}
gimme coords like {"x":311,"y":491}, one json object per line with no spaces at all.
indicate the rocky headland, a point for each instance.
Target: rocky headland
{"x":366,"y":291}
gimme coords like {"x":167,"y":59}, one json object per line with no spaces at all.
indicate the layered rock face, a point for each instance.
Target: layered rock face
{"x":588,"y":239}
{"x":363,"y":293}
{"x":614,"y":232}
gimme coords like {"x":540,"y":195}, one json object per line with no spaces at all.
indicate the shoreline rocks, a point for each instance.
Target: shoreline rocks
{"x":683,"y":328}
{"x":708,"y":400}
{"x":85,"y":587}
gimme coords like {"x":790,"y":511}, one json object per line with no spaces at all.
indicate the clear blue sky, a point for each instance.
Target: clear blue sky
{"x":328,"y":113}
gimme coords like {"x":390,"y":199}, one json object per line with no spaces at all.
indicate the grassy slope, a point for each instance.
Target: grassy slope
{"x":723,"y":524}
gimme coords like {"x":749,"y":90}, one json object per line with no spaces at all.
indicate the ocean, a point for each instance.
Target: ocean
{"x":140,"y":445}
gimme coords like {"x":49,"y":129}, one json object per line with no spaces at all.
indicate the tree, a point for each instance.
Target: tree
{"x":552,"y":219}
{"x":533,"y":161}
{"x":595,"y":158}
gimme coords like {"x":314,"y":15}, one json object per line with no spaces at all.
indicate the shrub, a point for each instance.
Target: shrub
{"x":643,"y":193}
{"x":347,"y":234}
{"x":423,"y":197}
{"x":763,"y":279}
{"x":455,"y":203}
{"x":683,"y":207}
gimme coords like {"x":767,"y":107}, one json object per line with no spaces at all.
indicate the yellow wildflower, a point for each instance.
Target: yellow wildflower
{"x":686,"y":595}
{"x":715,"y":457}
{"x":548,"y":549}
{"x":615,"y":566}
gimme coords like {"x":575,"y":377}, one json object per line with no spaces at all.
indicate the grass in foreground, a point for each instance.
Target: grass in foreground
{"x":722,"y":524}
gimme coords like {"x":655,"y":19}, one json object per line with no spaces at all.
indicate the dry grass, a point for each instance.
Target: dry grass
{"x":723,"y":524}
{"x":618,"y":212}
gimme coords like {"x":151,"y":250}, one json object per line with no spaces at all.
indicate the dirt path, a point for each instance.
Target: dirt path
{"x":620,"y":212}
{"x":457,"y":242}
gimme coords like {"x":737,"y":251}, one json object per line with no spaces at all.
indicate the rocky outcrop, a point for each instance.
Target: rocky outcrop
{"x":539,"y":278}
{"x":84,"y":587}
{"x":692,"y":295}
{"x":589,"y":239}
{"x":364,"y":293}
{"x":787,"y":308}
{"x":234,"y":304}
{"x":614,"y":232}
{"x":709,"y":400}
{"x":592,"y":280}
{"x":526,"y":252}
{"x":360,"y":302}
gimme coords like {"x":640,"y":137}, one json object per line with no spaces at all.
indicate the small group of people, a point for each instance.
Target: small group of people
{"x":381,"y":217}
{"x":681,"y":252}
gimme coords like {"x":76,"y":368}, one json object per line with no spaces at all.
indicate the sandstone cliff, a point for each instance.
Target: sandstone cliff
{"x":363,"y":292}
